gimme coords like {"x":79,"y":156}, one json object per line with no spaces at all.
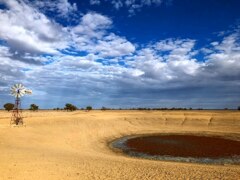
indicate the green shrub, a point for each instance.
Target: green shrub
{"x":33,"y":107}
{"x":8,"y":106}
{"x":70,"y":107}
{"x":89,"y":108}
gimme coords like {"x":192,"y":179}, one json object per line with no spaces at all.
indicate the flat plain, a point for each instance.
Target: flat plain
{"x":75,"y":145}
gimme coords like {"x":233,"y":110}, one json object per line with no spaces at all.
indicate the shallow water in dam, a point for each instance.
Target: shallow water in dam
{"x":184,"y":148}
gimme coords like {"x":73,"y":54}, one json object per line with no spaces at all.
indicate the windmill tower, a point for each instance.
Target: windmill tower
{"x":18,"y":90}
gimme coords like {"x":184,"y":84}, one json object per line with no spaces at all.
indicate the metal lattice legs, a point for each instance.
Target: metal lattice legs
{"x":17,"y":113}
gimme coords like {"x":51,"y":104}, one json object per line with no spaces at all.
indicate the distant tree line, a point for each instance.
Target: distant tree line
{"x":71,"y":107}
{"x":146,"y":109}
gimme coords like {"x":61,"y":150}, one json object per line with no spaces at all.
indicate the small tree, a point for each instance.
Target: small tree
{"x":70,"y":107}
{"x":89,"y":108}
{"x":8,"y":106}
{"x":239,"y":108}
{"x":33,"y":107}
{"x":104,"y":108}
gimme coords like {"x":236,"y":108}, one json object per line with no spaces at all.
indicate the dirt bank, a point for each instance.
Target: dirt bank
{"x":74,"y":145}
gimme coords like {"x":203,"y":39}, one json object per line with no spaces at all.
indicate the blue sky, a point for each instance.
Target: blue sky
{"x":122,"y":53}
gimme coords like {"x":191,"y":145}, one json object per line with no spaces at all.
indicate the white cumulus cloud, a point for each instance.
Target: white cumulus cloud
{"x":26,"y":29}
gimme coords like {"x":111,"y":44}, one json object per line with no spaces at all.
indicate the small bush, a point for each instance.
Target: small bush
{"x":33,"y":107}
{"x":8,"y":106}
{"x":70,"y":107}
{"x":103,"y":108}
{"x":89,"y":108}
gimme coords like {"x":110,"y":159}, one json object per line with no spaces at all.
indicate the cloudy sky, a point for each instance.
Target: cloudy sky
{"x":121,"y":53}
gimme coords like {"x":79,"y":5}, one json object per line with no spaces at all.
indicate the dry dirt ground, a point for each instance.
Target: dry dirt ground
{"x":74,"y":145}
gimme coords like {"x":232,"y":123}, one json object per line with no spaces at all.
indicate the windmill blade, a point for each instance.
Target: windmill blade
{"x":13,"y":93}
{"x":13,"y":89}
{"x":20,"y":86}
{"x":21,"y":93}
{"x":15,"y":86}
{"x":23,"y":90}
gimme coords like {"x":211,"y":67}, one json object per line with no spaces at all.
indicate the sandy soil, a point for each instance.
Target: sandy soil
{"x":74,"y":145}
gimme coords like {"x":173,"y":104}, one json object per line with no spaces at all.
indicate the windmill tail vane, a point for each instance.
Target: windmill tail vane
{"x":28,"y":91}
{"x":18,"y":90}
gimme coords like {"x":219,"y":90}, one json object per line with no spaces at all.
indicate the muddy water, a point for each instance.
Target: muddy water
{"x":187,"y":148}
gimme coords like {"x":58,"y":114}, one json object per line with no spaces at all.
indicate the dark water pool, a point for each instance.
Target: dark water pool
{"x":186,"y":148}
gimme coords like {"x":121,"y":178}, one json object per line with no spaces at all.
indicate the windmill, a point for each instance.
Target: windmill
{"x":18,"y":90}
